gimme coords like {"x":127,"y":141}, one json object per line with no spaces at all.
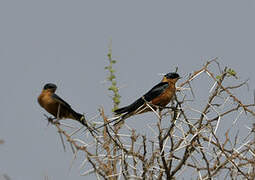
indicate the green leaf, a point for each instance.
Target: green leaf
{"x":112,"y":71}
{"x":218,"y":77}
{"x":112,"y":77}
{"x":231,"y":72}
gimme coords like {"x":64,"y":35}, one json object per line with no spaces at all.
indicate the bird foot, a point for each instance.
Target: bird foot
{"x":51,"y":120}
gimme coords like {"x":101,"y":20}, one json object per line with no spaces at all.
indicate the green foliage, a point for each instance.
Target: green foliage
{"x":218,"y":77}
{"x":230,"y":72}
{"x":112,"y":79}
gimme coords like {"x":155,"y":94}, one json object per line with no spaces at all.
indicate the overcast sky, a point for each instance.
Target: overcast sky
{"x":66,"y":42}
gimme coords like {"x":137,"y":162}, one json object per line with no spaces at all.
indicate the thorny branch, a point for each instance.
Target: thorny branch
{"x":197,"y":137}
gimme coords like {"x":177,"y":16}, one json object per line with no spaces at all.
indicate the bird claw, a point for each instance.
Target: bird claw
{"x":51,"y":120}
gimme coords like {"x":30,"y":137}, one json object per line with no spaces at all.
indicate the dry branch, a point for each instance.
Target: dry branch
{"x":187,"y":141}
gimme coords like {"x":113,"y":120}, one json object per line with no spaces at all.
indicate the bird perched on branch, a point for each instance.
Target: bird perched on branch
{"x":156,"y":98}
{"x":56,"y":106}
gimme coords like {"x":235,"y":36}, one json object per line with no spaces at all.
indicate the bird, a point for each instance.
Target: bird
{"x":156,"y":98}
{"x":56,"y":106}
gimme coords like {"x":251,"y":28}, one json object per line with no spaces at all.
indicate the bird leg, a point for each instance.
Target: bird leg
{"x":50,"y":119}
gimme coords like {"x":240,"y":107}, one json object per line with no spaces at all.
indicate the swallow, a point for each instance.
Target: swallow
{"x":56,"y":106}
{"x":156,"y":98}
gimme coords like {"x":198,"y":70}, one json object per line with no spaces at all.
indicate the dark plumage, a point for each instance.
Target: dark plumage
{"x":149,"y":96}
{"x":158,"y":97}
{"x":56,"y":106}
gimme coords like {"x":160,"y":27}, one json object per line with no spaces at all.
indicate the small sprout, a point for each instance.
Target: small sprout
{"x":111,"y":78}
{"x":218,"y":77}
{"x":112,"y":71}
{"x":231,"y":72}
{"x":116,"y":100}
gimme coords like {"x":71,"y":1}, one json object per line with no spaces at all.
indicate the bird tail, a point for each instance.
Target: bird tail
{"x":122,"y":110}
{"x":119,"y":111}
{"x":81,"y":118}
{"x":125,"y":112}
{"x":131,"y":108}
{"x":77,"y":116}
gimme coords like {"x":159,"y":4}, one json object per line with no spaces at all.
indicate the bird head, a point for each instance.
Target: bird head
{"x":171,"y":77}
{"x":50,"y":86}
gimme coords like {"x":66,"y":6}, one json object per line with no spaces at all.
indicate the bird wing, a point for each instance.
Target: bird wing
{"x":60,"y":100}
{"x":156,"y":91}
{"x":150,"y":95}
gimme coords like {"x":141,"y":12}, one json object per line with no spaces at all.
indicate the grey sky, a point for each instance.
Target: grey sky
{"x":66,"y":42}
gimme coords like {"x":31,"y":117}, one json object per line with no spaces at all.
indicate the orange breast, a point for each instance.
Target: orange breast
{"x":52,"y":106}
{"x":165,"y":97}
{"x":48,"y":103}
